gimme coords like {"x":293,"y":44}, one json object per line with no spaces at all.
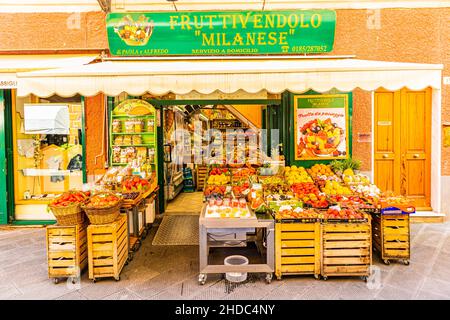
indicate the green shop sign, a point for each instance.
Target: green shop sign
{"x":221,"y":33}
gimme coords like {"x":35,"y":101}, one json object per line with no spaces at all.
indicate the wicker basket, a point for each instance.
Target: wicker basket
{"x":103,"y":215}
{"x":68,"y":216}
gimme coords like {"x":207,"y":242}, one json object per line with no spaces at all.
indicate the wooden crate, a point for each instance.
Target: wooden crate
{"x":346,"y":249}
{"x":391,"y":237}
{"x":67,"y":254}
{"x":297,"y":248}
{"x":107,"y":248}
{"x":201,"y":173}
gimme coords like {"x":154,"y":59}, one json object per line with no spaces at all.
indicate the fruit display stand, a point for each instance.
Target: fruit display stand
{"x":133,"y":135}
{"x":107,"y":249}
{"x":391,"y":236}
{"x":209,"y":226}
{"x":67,"y":253}
{"x":297,"y":247}
{"x":346,"y":248}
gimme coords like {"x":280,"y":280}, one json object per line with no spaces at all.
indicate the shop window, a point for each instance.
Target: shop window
{"x":48,"y":151}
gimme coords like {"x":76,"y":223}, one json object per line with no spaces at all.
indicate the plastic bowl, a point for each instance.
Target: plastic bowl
{"x":236,"y":260}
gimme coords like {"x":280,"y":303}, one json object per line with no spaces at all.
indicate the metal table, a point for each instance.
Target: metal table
{"x":206,"y":226}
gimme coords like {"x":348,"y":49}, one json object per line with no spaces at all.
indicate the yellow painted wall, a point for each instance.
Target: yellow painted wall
{"x":251,"y":112}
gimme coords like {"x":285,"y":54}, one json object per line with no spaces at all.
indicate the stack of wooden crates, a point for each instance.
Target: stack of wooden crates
{"x":201,"y":173}
{"x":297,"y":248}
{"x":323,"y":248}
{"x":67,"y":253}
{"x":391,"y":236}
{"x":108,"y":248}
{"x":104,"y":248}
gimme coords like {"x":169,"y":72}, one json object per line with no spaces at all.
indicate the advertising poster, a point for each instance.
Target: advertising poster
{"x":321,"y":127}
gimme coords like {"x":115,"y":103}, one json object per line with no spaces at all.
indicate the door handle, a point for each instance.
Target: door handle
{"x":416,"y":156}
{"x":385,"y":156}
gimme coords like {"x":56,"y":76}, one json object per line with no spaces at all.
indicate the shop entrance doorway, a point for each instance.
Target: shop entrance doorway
{"x":177,"y":113}
{"x":402,"y":144}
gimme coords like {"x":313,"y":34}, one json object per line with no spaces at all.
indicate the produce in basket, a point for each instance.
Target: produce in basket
{"x":288,"y":212}
{"x":309,"y":194}
{"x":243,"y":173}
{"x":135,"y":183}
{"x":218,"y":171}
{"x":356,"y":179}
{"x":336,"y":212}
{"x":370,"y":191}
{"x":334,"y":187}
{"x":346,"y":201}
{"x":69,"y":198}
{"x":295,"y":174}
{"x":218,"y":179}
{"x":320,"y":170}
{"x":241,"y":189}
{"x":102,"y":200}
{"x":215,"y":191}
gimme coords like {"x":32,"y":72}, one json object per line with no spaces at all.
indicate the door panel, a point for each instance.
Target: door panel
{"x":385,"y":174}
{"x":386,"y":141}
{"x":402,"y":144}
{"x":416,"y":146}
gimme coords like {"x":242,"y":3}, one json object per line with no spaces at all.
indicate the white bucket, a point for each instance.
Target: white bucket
{"x":236,"y":260}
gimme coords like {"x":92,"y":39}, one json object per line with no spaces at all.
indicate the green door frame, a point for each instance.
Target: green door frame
{"x":160,"y":104}
{"x":3,"y":168}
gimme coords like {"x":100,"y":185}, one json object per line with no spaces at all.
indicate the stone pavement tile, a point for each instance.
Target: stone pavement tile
{"x":325,"y":290}
{"x":45,"y":289}
{"x":286,"y":292}
{"x":440,"y":271}
{"x":155,"y":285}
{"x":446,"y":244}
{"x":101,"y":289}
{"x":174,"y":292}
{"x":435,"y":286}
{"x":104,"y":287}
{"x":389,"y":292}
{"x":247,"y":293}
{"x":419,"y":267}
{"x":429,"y":237}
{"x":405,"y":279}
{"x":210,"y":293}
{"x":28,"y":276}
{"x":75,"y":295}
{"x":9,"y":291}
{"x":357,"y":291}
{"x":425,"y":295}
{"x":422,"y":253}
{"x":443,"y":258}
{"x":123,"y":295}
{"x":295,"y":281}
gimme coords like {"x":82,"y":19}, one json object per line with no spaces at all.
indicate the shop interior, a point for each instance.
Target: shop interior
{"x":188,"y":149}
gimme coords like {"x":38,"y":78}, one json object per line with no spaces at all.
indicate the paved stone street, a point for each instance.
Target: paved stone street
{"x":170,"y":272}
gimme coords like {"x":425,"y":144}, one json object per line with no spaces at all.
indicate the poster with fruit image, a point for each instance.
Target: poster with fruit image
{"x":321,"y":127}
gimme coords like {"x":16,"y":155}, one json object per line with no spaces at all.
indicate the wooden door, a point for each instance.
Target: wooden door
{"x":387,"y":141}
{"x":402,"y":144}
{"x":415,"y":113}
